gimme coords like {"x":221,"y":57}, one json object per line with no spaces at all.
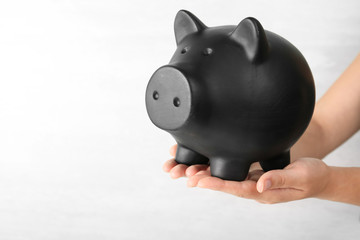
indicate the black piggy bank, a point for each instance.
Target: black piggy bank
{"x":231,"y":96}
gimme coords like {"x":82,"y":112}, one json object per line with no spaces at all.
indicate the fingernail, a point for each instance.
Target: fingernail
{"x":259,"y":187}
{"x":187,"y":173}
{"x":267,"y":185}
{"x":190,"y":184}
{"x":173,"y":175}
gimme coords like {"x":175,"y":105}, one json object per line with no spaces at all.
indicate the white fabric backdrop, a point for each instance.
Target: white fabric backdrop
{"x":79,"y":158}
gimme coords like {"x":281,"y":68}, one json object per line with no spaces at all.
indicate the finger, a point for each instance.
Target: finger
{"x":286,"y":178}
{"x":169,"y":164}
{"x":173,"y":150}
{"x":281,"y":195}
{"x":244,"y":189}
{"x":193,"y":180}
{"x":255,"y":175}
{"x":194,"y":169}
{"x":178,"y":171}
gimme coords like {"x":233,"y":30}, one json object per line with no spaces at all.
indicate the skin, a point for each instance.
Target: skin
{"x":336,"y":118}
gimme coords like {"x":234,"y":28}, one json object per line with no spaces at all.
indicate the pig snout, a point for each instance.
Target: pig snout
{"x":168,"y":98}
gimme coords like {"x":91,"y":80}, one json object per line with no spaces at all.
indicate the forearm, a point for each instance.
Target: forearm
{"x":343,"y":185}
{"x":336,"y":116}
{"x":311,"y":143}
{"x":338,"y":110}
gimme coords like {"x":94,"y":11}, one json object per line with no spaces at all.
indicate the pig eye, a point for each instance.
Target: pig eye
{"x":208,"y":51}
{"x":184,"y":50}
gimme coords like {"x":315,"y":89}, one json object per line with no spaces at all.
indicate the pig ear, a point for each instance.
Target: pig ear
{"x":185,"y":24}
{"x":251,"y":36}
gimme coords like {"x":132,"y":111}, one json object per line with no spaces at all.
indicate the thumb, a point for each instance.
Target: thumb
{"x":285,"y":178}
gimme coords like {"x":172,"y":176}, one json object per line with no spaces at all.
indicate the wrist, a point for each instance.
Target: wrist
{"x":342,"y":185}
{"x":329,"y":184}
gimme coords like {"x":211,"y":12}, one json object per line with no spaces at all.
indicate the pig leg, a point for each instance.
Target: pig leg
{"x":233,"y":169}
{"x":189,"y":157}
{"x":278,"y":162}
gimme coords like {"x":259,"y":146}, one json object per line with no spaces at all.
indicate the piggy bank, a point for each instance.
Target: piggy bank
{"x":231,"y":96}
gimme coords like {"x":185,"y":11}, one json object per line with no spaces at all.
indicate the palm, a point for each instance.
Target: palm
{"x":300,"y":179}
{"x":179,"y":170}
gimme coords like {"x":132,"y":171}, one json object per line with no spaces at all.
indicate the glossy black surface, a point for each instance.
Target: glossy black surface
{"x":231,"y":96}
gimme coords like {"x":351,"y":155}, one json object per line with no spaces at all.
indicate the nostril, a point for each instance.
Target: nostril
{"x":155,"y":95}
{"x":176,"y":102}
{"x":207,"y":51}
{"x":184,"y":50}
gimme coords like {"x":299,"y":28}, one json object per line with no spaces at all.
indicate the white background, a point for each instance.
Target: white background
{"x":79,"y":158}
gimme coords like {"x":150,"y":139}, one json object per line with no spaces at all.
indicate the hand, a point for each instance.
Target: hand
{"x":180,"y":170}
{"x":303,"y":178}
